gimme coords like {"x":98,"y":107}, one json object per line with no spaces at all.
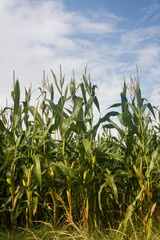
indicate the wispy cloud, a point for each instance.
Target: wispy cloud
{"x":151,"y":12}
{"x":149,"y":55}
{"x":39,"y":35}
{"x":155,"y":96}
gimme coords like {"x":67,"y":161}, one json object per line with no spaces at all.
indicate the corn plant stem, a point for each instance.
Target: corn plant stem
{"x":68,"y":191}
{"x":145,"y":157}
{"x":87,"y":213}
{"x":29,"y":222}
{"x":55,"y":220}
{"x":91,"y":115}
{"x":95,"y":206}
{"x":43,"y":121}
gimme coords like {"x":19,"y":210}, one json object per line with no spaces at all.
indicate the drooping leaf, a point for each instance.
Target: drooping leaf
{"x":115,"y":105}
{"x":129,"y":211}
{"x":36,"y":115}
{"x":55,"y":80}
{"x":151,"y":109}
{"x":96,"y":103}
{"x":109,"y":182}
{"x":108,"y":115}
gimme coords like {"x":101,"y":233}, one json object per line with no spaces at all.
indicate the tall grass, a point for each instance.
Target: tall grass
{"x":55,"y":164}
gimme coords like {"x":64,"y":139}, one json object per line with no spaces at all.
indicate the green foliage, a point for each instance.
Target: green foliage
{"x":56,"y":164}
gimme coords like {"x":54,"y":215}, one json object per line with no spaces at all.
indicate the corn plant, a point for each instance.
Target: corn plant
{"x":58,"y":164}
{"x":140,"y":147}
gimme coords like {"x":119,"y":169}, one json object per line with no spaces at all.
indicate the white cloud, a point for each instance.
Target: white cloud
{"x":35,"y":35}
{"x":151,"y":12}
{"x":155,"y":96}
{"x":149,"y":55}
{"x":135,"y":39}
{"x":39,"y":35}
{"x":86,"y":26}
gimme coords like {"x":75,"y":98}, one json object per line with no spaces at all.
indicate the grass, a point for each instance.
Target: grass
{"x":46,"y":231}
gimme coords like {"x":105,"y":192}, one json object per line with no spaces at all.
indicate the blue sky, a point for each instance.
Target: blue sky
{"x":109,"y":36}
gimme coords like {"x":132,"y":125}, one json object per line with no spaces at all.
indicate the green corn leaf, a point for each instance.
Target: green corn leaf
{"x":35,"y":205}
{"x":125,"y":120}
{"x":59,"y":198}
{"x":109,"y":125}
{"x":3,"y":111}
{"x":65,"y":126}
{"x":72,"y":89}
{"x":143,"y":108}
{"x":115,"y":105}
{"x":18,"y":140}
{"x":67,"y":122}
{"x":47,"y":130}
{"x":83,"y":93}
{"x":36,"y":115}
{"x":89,"y":105}
{"x":96,"y":103}
{"x":55,"y":80}
{"x":151,"y":109}
{"x":77,"y":107}
{"x":2,"y":127}
{"x":16,"y":119}
{"x":68,"y":171}
{"x":109,"y":182}
{"x":108,"y":115}
{"x":37,"y":168}
{"x":130,"y":210}
{"x":149,"y":228}
{"x":124,"y":88}
{"x":81,"y":125}
{"x":73,"y":127}
{"x":115,"y":126}
{"x":86,"y":145}
{"x":153,"y":160}
{"x":52,"y":92}
{"x":16,"y":98}
{"x":138,"y":97}
{"x":16,"y":197}
{"x":65,"y":93}
{"x":124,"y":104}
{"x":139,"y":175}
{"x":63,"y":80}
{"x":56,"y":109}
{"x":134,"y":109}
{"x":115,"y":156}
{"x":99,"y":195}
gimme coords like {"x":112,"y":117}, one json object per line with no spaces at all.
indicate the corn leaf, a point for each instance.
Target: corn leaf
{"x":16,"y":98}
{"x":37,"y":169}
